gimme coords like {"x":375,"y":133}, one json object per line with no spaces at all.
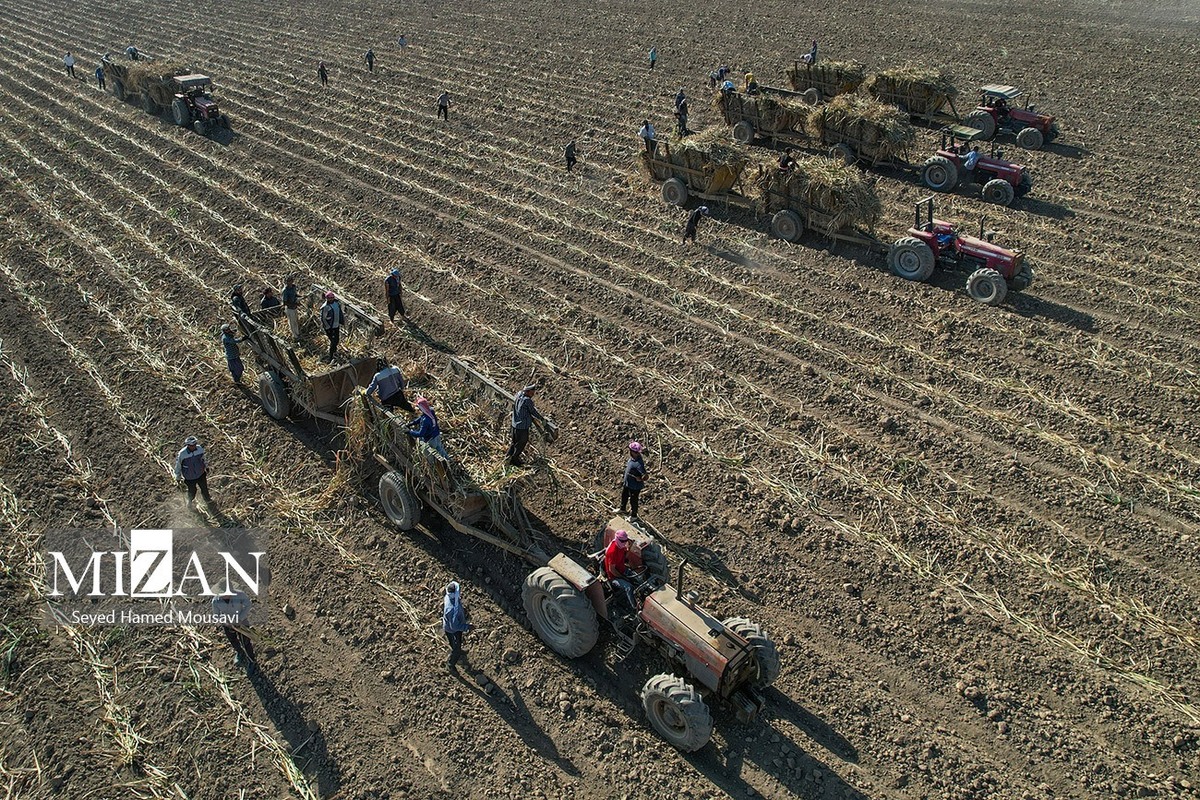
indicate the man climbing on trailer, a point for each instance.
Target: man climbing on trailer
{"x":233,"y":355}
{"x":615,"y":567}
{"x":787,"y":162}
{"x":291,"y":306}
{"x":331,"y":321}
{"x":524,"y":412}
{"x":426,"y":429}
{"x":388,"y":386}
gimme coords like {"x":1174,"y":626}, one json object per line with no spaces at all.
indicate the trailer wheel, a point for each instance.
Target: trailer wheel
{"x":1022,"y":280}
{"x":273,"y":396}
{"x":398,"y":501}
{"x":149,"y":106}
{"x":180,"y":112}
{"x":677,"y":712}
{"x":675,"y":192}
{"x":119,"y":89}
{"x":561,"y":615}
{"x":986,"y":286}
{"x":939,"y":174}
{"x":787,"y":225}
{"x":812,"y":96}
{"x":743,"y":132}
{"x":1030,"y":139}
{"x":911,"y":259}
{"x":999,"y":191}
{"x":982,"y":121}
{"x":843,"y":153}
{"x":766,"y":654}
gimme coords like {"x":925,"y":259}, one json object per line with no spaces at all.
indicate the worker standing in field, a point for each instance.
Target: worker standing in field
{"x":100,"y":77}
{"x":331,"y":322}
{"x":402,"y":41}
{"x":647,"y":134}
{"x":323,"y":74}
{"x":238,"y":300}
{"x":291,"y":306}
{"x":634,"y":480}
{"x":455,"y":622}
{"x":233,"y":607}
{"x":693,"y":222}
{"x":370,"y":60}
{"x":69,"y":63}
{"x":524,"y":413}
{"x":443,"y":105}
{"x":681,"y":115}
{"x":653,"y":57}
{"x":233,"y":355}
{"x":388,"y":386}
{"x":570,"y":153}
{"x":192,"y":469}
{"x":393,"y":290}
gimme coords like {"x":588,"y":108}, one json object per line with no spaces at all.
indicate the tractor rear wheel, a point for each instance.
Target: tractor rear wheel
{"x":939,"y":174}
{"x":149,"y":106}
{"x":180,"y":112}
{"x":787,"y":225}
{"x":1022,"y":280}
{"x":911,"y":259}
{"x":273,"y":395}
{"x":986,"y":286}
{"x":743,"y":132}
{"x":119,"y":89}
{"x":398,"y":501}
{"x":843,"y":153}
{"x":655,"y":562}
{"x":812,"y":96}
{"x":999,"y":191}
{"x":982,"y":121}
{"x":766,"y":654}
{"x":561,"y":615}
{"x":1030,"y":139}
{"x":677,"y":712}
{"x":675,"y":192}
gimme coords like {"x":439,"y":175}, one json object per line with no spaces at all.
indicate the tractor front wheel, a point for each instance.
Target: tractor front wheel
{"x":273,"y":396}
{"x":225,"y":121}
{"x":677,"y":712}
{"x":561,"y":615}
{"x":1030,"y":139}
{"x":787,"y":225}
{"x":982,"y":121}
{"x":743,"y":132}
{"x":1022,"y":280}
{"x":986,"y":286}
{"x":911,"y":259}
{"x":398,"y":501}
{"x":999,"y":191}
{"x":180,"y":112}
{"x":675,"y":192}
{"x":939,"y":174}
{"x":766,"y":654}
{"x":200,"y":127}
{"x":812,"y":96}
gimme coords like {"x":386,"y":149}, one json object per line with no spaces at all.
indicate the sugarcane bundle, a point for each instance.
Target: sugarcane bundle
{"x":832,"y":78}
{"x":874,"y":129}
{"x":837,"y":191}
{"x":770,"y":111}
{"x":918,"y":90}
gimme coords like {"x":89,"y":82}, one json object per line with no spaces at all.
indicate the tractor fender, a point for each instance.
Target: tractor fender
{"x":583,"y":581}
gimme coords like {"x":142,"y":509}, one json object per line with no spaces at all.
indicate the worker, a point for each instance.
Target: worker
{"x":388,"y":385}
{"x":323,"y":74}
{"x":370,"y":60}
{"x":131,"y":53}
{"x":270,"y":303}
{"x":616,"y":557}
{"x":680,"y":97}
{"x":393,"y":290}
{"x":810,"y":57}
{"x":402,"y":41}
{"x":69,"y":63}
{"x":713,"y":80}
{"x":524,"y":413}
{"x":425,"y":428}
{"x":233,"y":356}
{"x":647,"y":134}
{"x":455,"y":622}
{"x":681,"y":116}
{"x":291,"y":305}
{"x":331,"y":322}
{"x":969,"y":164}
{"x":634,"y":479}
{"x":238,"y":300}
{"x":693,"y":222}
{"x":787,"y":162}
{"x":569,"y":153}
{"x":100,"y":77}
{"x":653,"y":57}
{"x":751,"y":84}
{"x":192,"y":469}
{"x":727,"y":87}
{"x":722,"y":72}
{"x":232,"y":608}
{"x":443,"y":104}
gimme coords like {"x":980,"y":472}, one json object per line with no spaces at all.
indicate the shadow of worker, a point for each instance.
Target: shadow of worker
{"x":306,"y":742}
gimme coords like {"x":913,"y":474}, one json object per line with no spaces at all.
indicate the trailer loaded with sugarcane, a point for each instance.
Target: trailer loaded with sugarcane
{"x":825,"y":80}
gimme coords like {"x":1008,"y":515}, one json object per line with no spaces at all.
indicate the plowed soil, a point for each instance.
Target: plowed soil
{"x":972,"y":531}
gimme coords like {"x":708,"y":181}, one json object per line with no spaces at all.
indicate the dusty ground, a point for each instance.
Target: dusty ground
{"x":972,"y":530}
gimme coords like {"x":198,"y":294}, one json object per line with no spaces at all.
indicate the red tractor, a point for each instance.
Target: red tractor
{"x":932,"y":242}
{"x":727,"y":661}
{"x":193,"y":106}
{"x":996,"y":113}
{"x":1001,"y":181}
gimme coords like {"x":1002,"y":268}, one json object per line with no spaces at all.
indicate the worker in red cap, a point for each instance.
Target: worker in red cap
{"x":615,"y":566}
{"x":634,"y":480}
{"x":331,"y":321}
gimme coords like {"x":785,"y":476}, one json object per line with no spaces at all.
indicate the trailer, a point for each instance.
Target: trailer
{"x":825,"y":80}
{"x":925,"y":94}
{"x":778,"y":116}
{"x":284,"y":381}
{"x":688,"y":171}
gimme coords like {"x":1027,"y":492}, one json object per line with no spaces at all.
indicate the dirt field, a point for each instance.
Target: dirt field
{"x":971,"y":530}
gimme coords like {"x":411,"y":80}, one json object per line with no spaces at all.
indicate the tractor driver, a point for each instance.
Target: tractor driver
{"x":615,"y":568}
